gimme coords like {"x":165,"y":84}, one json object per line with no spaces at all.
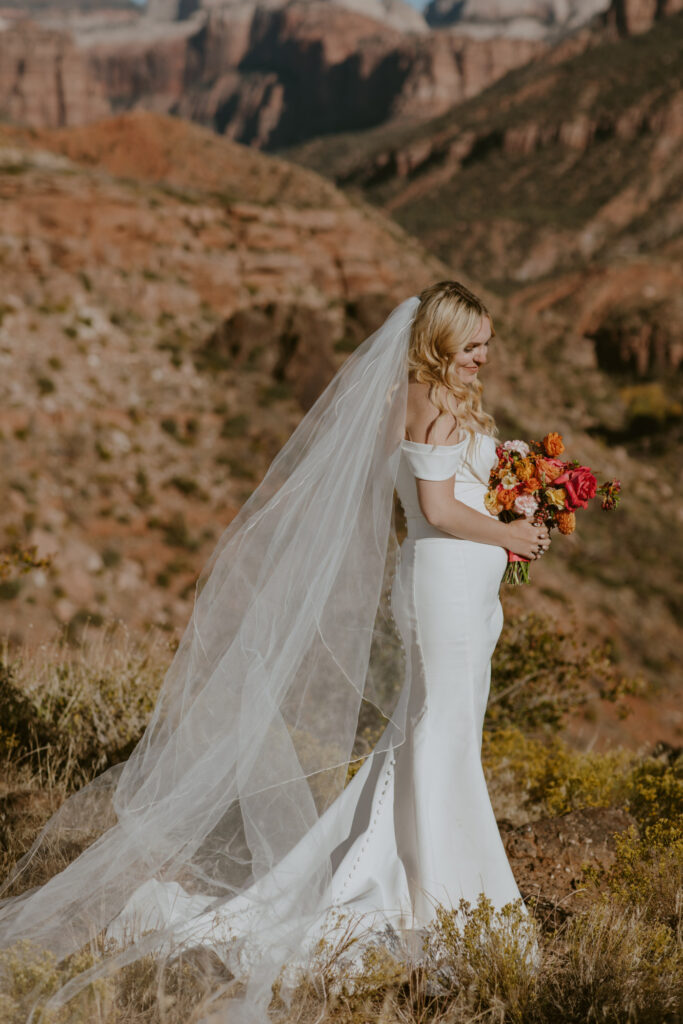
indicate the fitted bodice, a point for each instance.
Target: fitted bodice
{"x":439,"y":462}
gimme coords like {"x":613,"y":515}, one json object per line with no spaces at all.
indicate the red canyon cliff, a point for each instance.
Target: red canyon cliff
{"x":266,"y":74}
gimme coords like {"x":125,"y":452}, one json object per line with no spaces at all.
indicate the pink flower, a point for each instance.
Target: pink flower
{"x":517,"y":446}
{"x":526,"y":504}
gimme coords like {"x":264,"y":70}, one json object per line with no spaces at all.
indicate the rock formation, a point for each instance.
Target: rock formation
{"x":275,"y":73}
{"x":631,"y":17}
{"x":45,"y":80}
{"x":577,"y":158}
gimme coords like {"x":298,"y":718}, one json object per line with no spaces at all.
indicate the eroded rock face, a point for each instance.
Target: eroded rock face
{"x":631,"y":17}
{"x":641,"y":339}
{"x":572,"y":177}
{"x":275,"y":73}
{"x":45,"y":81}
{"x":278,"y":72}
{"x":285,"y":340}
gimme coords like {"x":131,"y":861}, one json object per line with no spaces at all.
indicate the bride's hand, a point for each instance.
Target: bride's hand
{"x":527,"y":539}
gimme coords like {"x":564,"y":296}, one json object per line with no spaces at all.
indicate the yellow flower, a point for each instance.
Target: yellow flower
{"x":555,"y":496}
{"x":525,"y":469}
{"x":492,"y":504}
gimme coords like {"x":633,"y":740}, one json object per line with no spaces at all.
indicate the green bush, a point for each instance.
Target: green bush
{"x":541,"y":673}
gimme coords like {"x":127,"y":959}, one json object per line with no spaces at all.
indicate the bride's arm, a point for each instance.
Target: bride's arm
{"x":446,"y":513}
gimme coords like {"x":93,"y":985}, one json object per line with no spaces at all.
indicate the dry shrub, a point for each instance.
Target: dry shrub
{"x":473,"y":963}
{"x":486,"y":961}
{"x":542,"y":672}
{"x":608,"y":965}
{"x":68,"y":713}
{"x":71,"y":713}
{"x":612,"y":966}
{"x":65,"y":715}
{"x":147,"y":991}
{"x":30,"y":975}
{"x":648,"y":874}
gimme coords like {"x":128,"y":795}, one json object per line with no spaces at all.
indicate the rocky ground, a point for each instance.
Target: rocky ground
{"x":549,"y":856}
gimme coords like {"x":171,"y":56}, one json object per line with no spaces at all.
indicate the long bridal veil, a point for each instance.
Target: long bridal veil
{"x":290,"y":643}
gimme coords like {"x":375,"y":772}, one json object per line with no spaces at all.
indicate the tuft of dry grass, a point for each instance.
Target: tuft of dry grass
{"x":71,"y":712}
{"x":65,"y":715}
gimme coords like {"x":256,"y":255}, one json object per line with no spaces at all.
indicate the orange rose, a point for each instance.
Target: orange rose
{"x":566,"y":522}
{"x":532,"y":484}
{"x":552,"y":443}
{"x":551,"y":467}
{"x":492,"y":503}
{"x":507,"y":498}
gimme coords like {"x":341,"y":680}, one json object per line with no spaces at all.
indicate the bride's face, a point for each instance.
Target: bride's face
{"x":468,"y":359}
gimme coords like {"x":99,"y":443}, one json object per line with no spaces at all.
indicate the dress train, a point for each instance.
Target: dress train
{"x":415,"y":826}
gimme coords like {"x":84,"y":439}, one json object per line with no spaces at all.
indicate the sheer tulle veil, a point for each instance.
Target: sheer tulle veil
{"x":291,"y":641}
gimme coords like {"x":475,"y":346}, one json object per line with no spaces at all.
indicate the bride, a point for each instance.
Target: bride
{"x":247,"y":815}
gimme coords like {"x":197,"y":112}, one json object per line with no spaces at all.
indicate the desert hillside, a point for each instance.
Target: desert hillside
{"x":173,"y":303}
{"x":563,"y":164}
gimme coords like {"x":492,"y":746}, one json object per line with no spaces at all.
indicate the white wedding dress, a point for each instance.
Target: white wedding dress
{"x":415,"y":826}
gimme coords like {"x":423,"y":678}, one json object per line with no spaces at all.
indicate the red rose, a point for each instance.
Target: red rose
{"x":580,"y":485}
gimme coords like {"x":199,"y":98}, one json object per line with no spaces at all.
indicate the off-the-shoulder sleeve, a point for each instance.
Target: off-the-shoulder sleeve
{"x":439,"y":464}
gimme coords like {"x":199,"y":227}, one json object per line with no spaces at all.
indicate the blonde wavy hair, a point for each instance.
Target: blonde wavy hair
{"x":448,"y":317}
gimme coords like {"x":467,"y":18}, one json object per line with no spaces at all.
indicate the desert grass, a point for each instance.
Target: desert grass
{"x":608,"y":963}
{"x":68,"y":712}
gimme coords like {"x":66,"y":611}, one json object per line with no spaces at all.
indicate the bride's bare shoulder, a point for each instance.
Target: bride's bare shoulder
{"x":421,"y":416}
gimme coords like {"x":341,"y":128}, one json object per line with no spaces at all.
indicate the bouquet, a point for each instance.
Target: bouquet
{"x":530,"y":481}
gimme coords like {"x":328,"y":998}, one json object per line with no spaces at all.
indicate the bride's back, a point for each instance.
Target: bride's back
{"x":421,"y":417}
